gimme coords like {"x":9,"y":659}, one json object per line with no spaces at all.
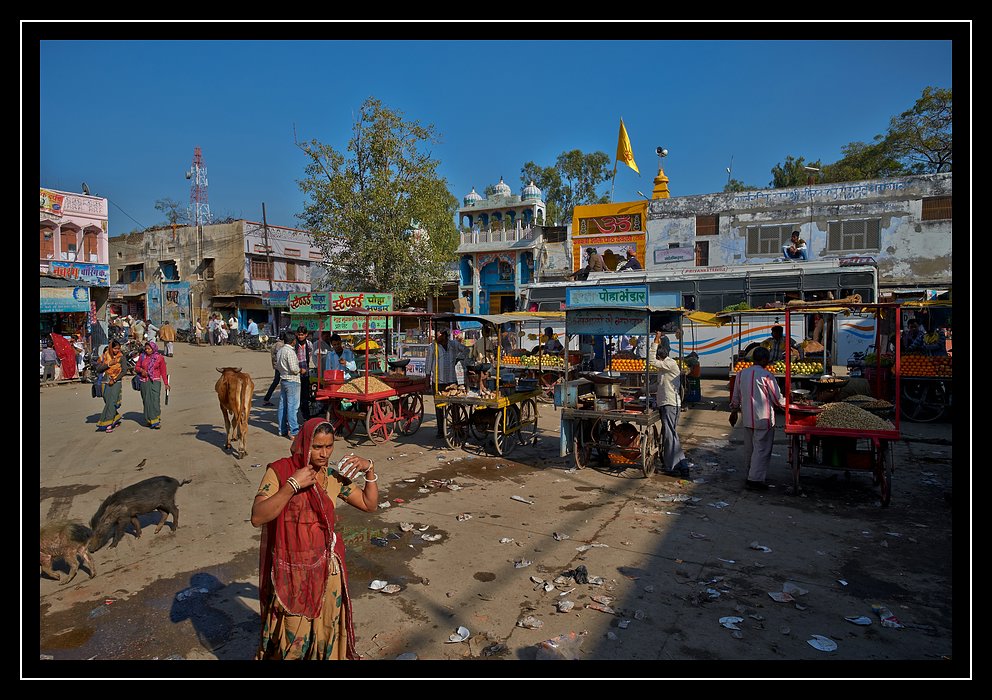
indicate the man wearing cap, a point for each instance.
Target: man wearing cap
{"x":631,"y":263}
{"x":595,"y":263}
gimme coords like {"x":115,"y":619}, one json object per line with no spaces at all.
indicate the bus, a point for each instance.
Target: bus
{"x":713,"y":289}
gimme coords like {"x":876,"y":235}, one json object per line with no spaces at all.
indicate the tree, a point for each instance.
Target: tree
{"x":173,"y":211}
{"x":361,"y":204}
{"x":864,"y":161}
{"x":921,"y":137}
{"x":572,"y":181}
{"x":736,"y":185}
{"x":792,"y":173}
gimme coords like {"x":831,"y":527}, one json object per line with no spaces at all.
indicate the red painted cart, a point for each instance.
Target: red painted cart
{"x":847,"y":449}
{"x":385,"y":404}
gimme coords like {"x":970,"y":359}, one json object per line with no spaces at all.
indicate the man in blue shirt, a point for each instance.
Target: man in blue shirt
{"x":340,"y":357}
{"x":253,"y":329}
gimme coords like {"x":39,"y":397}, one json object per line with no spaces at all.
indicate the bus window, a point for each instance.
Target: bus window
{"x":689,"y":301}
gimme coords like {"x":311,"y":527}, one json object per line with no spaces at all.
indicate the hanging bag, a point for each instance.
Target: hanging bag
{"x":136,"y":383}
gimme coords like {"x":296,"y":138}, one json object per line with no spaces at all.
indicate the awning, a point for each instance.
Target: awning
{"x":707,"y":319}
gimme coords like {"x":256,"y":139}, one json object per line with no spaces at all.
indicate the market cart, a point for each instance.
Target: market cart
{"x":828,"y":430}
{"x":547,"y":369}
{"x":925,"y":395}
{"x":603,"y":422}
{"x":493,"y":408}
{"x":382,"y":403}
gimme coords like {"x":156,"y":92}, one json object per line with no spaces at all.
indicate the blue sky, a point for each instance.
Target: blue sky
{"x":124,"y":116}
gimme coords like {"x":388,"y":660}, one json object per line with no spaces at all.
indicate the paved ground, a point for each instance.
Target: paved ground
{"x":674,"y":556}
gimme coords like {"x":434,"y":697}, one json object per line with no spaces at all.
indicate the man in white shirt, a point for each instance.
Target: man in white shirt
{"x":756,"y":394}
{"x":669,"y":375}
{"x":441,"y":358}
{"x":288,"y":367}
{"x":232,"y":327}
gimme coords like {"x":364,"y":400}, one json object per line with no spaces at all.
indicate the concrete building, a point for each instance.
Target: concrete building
{"x":505,"y":247}
{"x":184,"y":273}
{"x":74,"y":270}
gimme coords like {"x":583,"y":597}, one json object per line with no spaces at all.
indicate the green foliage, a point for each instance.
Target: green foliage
{"x":571,"y":181}
{"x":174,"y":213}
{"x":792,"y":173}
{"x":863,"y":161}
{"x":735,"y":185}
{"x":364,"y":206}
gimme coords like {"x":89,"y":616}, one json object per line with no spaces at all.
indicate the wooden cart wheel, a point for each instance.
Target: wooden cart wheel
{"x":456,"y":419}
{"x":411,"y":413}
{"x":883,"y":471}
{"x":795,"y":460}
{"x":658,"y":449}
{"x":505,"y":425}
{"x":480,"y":422}
{"x":923,"y":401}
{"x":343,"y":425}
{"x":581,"y":447}
{"x":648,"y":452}
{"x":528,"y":423}
{"x":380,"y":421}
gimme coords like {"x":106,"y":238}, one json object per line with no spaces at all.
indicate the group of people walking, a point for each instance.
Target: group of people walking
{"x":151,"y":375}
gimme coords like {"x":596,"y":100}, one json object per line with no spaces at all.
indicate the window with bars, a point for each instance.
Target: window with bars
{"x":290,"y":271}
{"x":935,"y":208}
{"x":768,"y":240}
{"x":859,"y":234}
{"x":702,"y":253}
{"x":261,"y":269}
{"x":47,"y":244}
{"x":208,"y":268}
{"x":707,"y":225}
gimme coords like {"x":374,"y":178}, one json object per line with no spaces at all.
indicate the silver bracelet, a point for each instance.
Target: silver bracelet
{"x":368,"y":480}
{"x":294,"y":483}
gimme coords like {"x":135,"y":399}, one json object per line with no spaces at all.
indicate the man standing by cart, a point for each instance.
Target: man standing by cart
{"x":441,"y":357}
{"x":673,"y":458}
{"x":756,"y":394}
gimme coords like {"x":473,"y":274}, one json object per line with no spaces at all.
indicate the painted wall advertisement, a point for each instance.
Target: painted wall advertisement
{"x":669,"y":255}
{"x":52,"y":201}
{"x":64,"y":299}
{"x":307,"y":309}
{"x":606,"y":296}
{"x":602,"y":322}
{"x":612,"y":248}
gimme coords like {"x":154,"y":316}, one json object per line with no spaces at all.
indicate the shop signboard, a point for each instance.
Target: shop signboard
{"x":88,"y":273}
{"x":307,"y":307}
{"x":64,"y":299}
{"x":606,"y":322}
{"x":607,"y":295}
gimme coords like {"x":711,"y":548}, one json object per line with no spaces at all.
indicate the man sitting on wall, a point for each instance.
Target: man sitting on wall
{"x":796,"y":249}
{"x":631,"y":263}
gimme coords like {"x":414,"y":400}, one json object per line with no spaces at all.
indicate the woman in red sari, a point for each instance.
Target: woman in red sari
{"x":303,"y":584}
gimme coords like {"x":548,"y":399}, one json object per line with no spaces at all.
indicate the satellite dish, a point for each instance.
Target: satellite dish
{"x":86,"y":189}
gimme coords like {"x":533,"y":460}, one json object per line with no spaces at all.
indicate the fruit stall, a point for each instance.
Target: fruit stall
{"x":494,"y":408}
{"x":926,"y":377}
{"x":603,"y":423}
{"x":836,"y":429}
{"x":382,"y":402}
{"x":546,"y":368}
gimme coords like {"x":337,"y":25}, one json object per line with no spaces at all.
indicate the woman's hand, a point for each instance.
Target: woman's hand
{"x":304,"y":477}
{"x":354,"y":465}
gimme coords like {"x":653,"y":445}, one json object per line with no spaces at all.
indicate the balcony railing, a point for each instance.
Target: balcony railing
{"x":498,"y":235}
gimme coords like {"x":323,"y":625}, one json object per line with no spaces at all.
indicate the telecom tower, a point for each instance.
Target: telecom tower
{"x":199,"y":210}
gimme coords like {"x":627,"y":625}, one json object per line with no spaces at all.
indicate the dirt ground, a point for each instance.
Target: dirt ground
{"x":667,"y":559}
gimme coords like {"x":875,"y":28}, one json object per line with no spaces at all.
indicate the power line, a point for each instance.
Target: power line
{"x":126,"y":214}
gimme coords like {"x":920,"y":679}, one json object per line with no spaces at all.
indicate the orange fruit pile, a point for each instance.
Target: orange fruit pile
{"x":627,"y":365}
{"x":925,"y":366}
{"x":742,"y":364}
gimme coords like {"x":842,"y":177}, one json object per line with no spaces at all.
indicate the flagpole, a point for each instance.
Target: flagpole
{"x":613,"y":184}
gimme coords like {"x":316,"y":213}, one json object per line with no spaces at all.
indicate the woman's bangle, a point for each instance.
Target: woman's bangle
{"x":294,"y":483}
{"x":375,"y":477}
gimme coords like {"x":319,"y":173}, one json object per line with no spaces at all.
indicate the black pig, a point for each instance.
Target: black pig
{"x":67,"y":540}
{"x":121,"y":507}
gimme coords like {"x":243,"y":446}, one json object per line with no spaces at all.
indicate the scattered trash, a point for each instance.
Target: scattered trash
{"x":559,"y":536}
{"x":398,"y":500}
{"x":587,"y":547}
{"x":463,"y":517}
{"x":623,"y":624}
{"x":410,"y":481}
{"x":712,"y":593}
{"x":97,"y":612}
{"x":800,"y":607}
{"x":611,"y":636}
{"x":406,"y":527}
{"x":719,"y":504}
{"x":535,"y":579}
{"x":530,"y":622}
{"x":564,"y":606}
{"x":379,"y":541}
{"x":189,"y":593}
{"x":580,"y":574}
{"x":728,"y":561}
{"x":393,"y":536}
{"x":47,"y":657}
{"x":697,"y":536}
{"x":893,"y":534}
{"x":522,"y":499}
{"x":454,"y":487}
{"x":756,"y":616}
{"x":759,"y":547}
{"x":649,"y":589}
{"x":563,"y":647}
{"x":391,"y":588}
{"x":430,"y":538}
{"x":603,"y":599}
{"x":505,"y":540}
{"x":459,"y":636}
{"x":601,"y":608}
{"x":596,"y":580}
{"x":407,"y":656}
{"x":495,"y":649}
{"x":425,"y":528}
{"x":378,"y":585}
{"x":521,"y":563}
{"x":638,"y":614}
{"x":859,"y":620}
{"x":564,"y":593}
{"x":385,"y":504}
{"x":784,"y":629}
{"x":822,"y":643}
{"x":423,"y":490}
{"x":792,"y":589}
{"x":255,"y":466}
{"x":842,"y":582}
{"x":780,"y":597}
{"x":673,"y":497}
{"x":888,"y":619}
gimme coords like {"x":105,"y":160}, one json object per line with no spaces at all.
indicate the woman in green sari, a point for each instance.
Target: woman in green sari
{"x":153,"y":374}
{"x":113,"y":358}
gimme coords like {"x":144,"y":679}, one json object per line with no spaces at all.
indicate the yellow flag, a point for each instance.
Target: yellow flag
{"x":624,"y":152}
